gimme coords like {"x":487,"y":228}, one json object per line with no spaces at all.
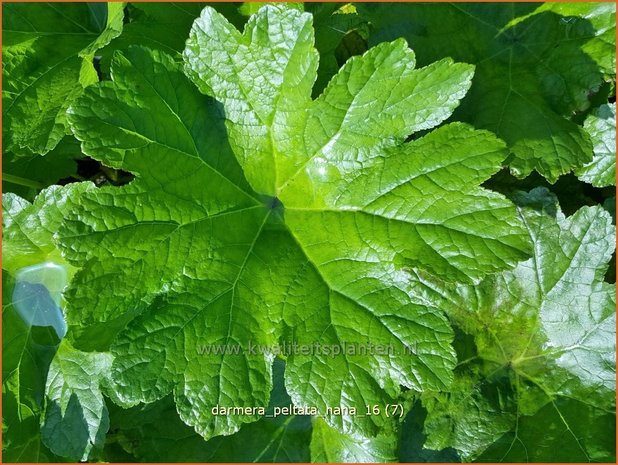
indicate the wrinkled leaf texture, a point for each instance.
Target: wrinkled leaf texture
{"x":319,"y":244}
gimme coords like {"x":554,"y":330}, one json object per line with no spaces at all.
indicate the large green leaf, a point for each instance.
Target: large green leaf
{"x":281,"y":216}
{"x":601,"y":125}
{"x":188,"y":260}
{"x":46,"y":63}
{"x":534,"y":68}
{"x":545,"y":348}
{"x":186,"y":174}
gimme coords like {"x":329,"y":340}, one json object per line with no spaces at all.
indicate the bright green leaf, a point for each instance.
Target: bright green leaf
{"x":534,"y":68}
{"x":190,"y":157}
{"x":291,"y":188}
{"x":28,"y":229}
{"x":601,"y":125}
{"x":187,"y":257}
{"x":330,"y":446}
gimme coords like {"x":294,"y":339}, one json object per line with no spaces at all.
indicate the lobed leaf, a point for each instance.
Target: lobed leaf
{"x":189,"y":256}
{"x":280,"y":202}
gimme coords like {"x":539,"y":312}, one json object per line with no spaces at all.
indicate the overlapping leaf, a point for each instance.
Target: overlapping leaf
{"x":46,"y":63}
{"x":26,"y":176}
{"x":165,"y":26}
{"x":25,"y":362}
{"x":602,"y":17}
{"x":154,"y":432}
{"x":317,"y":250}
{"x":545,"y":345}
{"x":76,"y":418}
{"x":28,"y":229}
{"x":162,"y":26}
{"x":262,"y":216}
{"x":329,"y":446}
{"x":30,"y":341}
{"x":339,"y":34}
{"x":536,"y":65}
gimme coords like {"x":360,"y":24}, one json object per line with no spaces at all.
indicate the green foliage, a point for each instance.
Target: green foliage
{"x":30,"y":350}
{"x":535,"y":66}
{"x":28,"y":228}
{"x":76,"y":417}
{"x":47,"y":62}
{"x":329,"y":446}
{"x":154,"y":432}
{"x":545,"y":336}
{"x":24,"y":371}
{"x":27,"y":176}
{"x":601,"y":125}
{"x":162,"y":26}
{"x":325,"y":177}
{"x":232,"y":286}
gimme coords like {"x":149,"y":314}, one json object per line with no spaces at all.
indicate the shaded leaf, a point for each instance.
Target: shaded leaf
{"x":545,"y":341}
{"x":25,"y":362}
{"x":46,"y":63}
{"x":154,"y":432}
{"x":162,"y":26}
{"x":534,"y":68}
{"x":43,"y":171}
